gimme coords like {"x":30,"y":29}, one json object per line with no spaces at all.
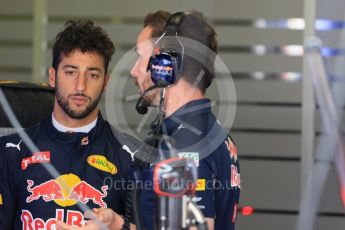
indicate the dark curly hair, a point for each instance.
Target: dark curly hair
{"x":84,"y":36}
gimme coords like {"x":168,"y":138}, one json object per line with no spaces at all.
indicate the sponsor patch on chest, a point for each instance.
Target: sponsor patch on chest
{"x":200,"y":185}
{"x":102,"y":163}
{"x":36,"y":158}
{"x":190,"y":155}
{"x":71,"y":217}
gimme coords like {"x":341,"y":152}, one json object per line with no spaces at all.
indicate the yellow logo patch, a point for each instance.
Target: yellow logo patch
{"x":200,"y":185}
{"x":101,"y":163}
{"x":0,"y":199}
{"x":67,"y":183}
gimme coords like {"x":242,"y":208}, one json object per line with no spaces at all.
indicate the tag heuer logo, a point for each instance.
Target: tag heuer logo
{"x":190,"y":155}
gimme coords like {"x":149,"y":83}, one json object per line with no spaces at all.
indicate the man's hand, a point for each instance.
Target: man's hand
{"x":101,"y":218}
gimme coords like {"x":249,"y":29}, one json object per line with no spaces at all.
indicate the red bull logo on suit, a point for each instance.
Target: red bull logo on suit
{"x":73,"y":218}
{"x":49,"y":191}
{"x":67,"y":190}
{"x":84,"y":192}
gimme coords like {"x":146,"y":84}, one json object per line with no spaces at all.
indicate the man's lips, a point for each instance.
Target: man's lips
{"x":79,"y":100}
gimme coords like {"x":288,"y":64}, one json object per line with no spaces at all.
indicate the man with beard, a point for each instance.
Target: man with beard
{"x":75,"y":140}
{"x":188,"y":117}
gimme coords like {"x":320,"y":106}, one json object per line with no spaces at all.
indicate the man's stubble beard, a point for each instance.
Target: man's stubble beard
{"x":152,"y":98}
{"x":64,"y":104}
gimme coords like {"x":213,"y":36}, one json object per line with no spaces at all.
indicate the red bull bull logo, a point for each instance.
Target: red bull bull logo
{"x":66,"y":190}
{"x":232,"y":149}
{"x":49,"y":191}
{"x":84,"y":192}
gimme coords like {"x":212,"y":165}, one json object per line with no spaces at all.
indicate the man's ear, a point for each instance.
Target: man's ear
{"x":52,"y":77}
{"x":106,"y":80}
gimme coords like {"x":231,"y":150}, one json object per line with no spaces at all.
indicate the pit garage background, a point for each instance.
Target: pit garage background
{"x":277,"y":123}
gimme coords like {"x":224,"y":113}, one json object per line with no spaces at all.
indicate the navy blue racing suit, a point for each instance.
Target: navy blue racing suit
{"x":198,"y":135}
{"x":93,"y":169}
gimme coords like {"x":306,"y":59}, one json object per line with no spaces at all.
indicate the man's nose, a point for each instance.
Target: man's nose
{"x":134,"y":72}
{"x":81,"y":83}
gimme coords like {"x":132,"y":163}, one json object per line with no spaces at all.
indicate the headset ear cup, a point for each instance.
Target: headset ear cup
{"x":176,"y":69}
{"x":162,"y":69}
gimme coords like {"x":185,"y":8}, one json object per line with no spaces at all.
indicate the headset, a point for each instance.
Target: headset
{"x":165,"y":64}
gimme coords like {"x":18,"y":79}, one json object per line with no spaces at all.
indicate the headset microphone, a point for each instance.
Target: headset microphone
{"x":141,"y":108}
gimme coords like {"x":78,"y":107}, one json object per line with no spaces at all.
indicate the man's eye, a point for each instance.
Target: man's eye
{"x":94,"y":75}
{"x":69,"y":72}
